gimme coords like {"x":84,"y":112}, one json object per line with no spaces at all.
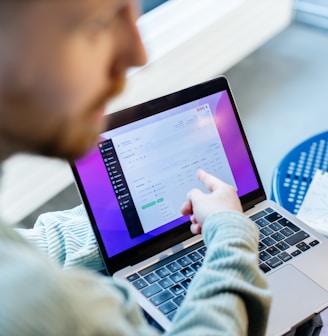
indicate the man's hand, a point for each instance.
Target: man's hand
{"x":199,"y":205}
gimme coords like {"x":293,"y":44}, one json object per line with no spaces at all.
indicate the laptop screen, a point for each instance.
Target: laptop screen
{"x":134,"y":182}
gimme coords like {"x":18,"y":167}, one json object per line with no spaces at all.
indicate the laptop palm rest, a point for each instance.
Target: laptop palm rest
{"x":295,"y":299}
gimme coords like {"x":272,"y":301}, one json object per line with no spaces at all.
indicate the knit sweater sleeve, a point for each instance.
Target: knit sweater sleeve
{"x":229,"y":294}
{"x":67,"y":238}
{"x":39,"y":298}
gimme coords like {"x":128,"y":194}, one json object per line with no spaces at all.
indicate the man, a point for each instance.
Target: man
{"x":60,"y":61}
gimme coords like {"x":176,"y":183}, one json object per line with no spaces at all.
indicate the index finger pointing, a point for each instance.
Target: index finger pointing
{"x":210,"y":182}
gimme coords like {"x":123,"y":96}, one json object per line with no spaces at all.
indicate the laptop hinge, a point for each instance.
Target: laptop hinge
{"x":252,"y":203}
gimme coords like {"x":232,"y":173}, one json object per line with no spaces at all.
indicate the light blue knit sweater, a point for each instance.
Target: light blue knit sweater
{"x":228,"y":296}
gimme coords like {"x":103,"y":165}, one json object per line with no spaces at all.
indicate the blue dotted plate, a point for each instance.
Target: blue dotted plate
{"x":294,"y":173}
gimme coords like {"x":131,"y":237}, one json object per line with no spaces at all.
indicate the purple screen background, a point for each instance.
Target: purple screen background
{"x":101,"y":197}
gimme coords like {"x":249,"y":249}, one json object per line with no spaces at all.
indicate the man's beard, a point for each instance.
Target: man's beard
{"x":107,"y":94}
{"x":79,"y":144}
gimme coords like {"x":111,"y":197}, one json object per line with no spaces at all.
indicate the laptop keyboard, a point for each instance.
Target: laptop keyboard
{"x":280,"y":239}
{"x":166,"y":282}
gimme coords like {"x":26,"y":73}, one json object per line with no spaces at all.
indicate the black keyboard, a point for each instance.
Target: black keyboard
{"x":280,"y":239}
{"x":166,"y":282}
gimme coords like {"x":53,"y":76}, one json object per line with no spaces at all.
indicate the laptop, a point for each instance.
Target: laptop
{"x":134,"y":182}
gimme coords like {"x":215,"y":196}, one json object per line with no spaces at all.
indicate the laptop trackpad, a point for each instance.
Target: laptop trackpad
{"x":295,"y":299}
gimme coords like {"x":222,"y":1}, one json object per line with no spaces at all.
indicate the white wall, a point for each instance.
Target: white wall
{"x":190,"y":41}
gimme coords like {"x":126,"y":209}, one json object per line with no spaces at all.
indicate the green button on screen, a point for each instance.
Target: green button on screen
{"x":146,"y":206}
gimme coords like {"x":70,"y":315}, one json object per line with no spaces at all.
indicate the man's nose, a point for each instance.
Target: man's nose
{"x":137,"y":55}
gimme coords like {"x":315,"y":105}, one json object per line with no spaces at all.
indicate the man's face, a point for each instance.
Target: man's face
{"x":61,"y":63}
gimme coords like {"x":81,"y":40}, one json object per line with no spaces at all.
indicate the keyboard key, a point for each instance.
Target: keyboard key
{"x":286,"y":222}
{"x":151,"y":290}
{"x":133,"y":277}
{"x":296,"y":253}
{"x":278,"y":236}
{"x":273,"y":250}
{"x":261,"y":246}
{"x":265,"y":268}
{"x":302,"y":246}
{"x":185,"y":283}
{"x":297,"y":237}
{"x":177,"y":277}
{"x":275,"y":226}
{"x":257,"y":215}
{"x":314,"y":243}
{"x":151,"y":278}
{"x":177,"y":289}
{"x":194,"y":256}
{"x":167,"y":307}
{"x":274,"y":216}
{"x":161,"y":297}
{"x":187,"y":272}
{"x":262,"y":222}
{"x":184,"y":261}
{"x":284,"y":256}
{"x":282,"y":246}
{"x":287,"y":231}
{"x":202,"y":251}
{"x":173,"y":267}
{"x":165,"y":283}
{"x":269,"y":210}
{"x":264,"y":256}
{"x":140,"y":283}
{"x":268,"y":241}
{"x":178,"y":300}
{"x":274,"y":262}
{"x":266,"y":231}
{"x":162,"y":272}
{"x":197,"y":265}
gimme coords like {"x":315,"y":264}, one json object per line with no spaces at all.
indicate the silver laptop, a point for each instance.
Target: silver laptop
{"x":135,"y":180}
